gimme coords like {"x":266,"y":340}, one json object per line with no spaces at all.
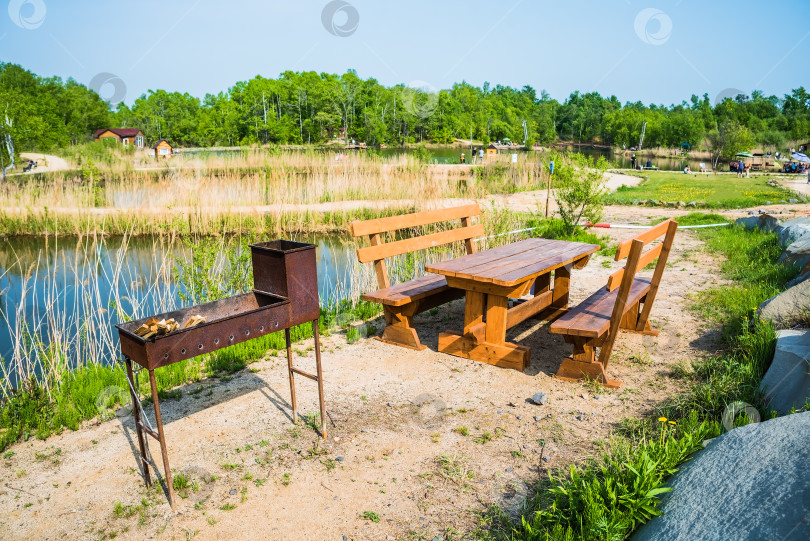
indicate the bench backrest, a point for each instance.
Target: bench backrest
{"x":379,"y":251}
{"x":637,"y":259}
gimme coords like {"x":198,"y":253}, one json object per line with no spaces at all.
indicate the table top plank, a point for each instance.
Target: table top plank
{"x":513,"y":264}
{"x":505,"y":265}
{"x":451,"y":267}
{"x":548,"y":265}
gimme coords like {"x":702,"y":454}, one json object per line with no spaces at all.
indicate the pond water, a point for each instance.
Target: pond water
{"x":72,"y":291}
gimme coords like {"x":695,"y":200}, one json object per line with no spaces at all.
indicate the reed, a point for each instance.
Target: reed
{"x":240,"y":192}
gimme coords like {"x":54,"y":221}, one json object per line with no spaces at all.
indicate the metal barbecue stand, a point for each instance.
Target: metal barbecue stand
{"x":285,"y":294}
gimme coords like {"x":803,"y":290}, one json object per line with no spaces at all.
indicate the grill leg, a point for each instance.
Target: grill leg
{"x":292,"y":376}
{"x":315,"y":332}
{"x":162,"y":439}
{"x":136,"y":412}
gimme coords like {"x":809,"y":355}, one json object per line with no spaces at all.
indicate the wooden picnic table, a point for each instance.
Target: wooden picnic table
{"x":491,"y":277}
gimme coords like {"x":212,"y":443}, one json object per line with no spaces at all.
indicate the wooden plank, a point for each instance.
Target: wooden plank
{"x":623,"y":249}
{"x":392,"y":223}
{"x":643,"y":320}
{"x":469,"y":244}
{"x":524,"y":311}
{"x":536,"y":254}
{"x":591,"y":317}
{"x":505,"y":355}
{"x":390,"y":249}
{"x":648,"y":257}
{"x":497,"y":307}
{"x":623,"y":292}
{"x":452,"y":266}
{"x":379,"y":265}
{"x":410,"y":291}
{"x":552,"y":263}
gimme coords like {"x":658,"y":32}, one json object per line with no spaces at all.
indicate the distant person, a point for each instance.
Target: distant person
{"x":633,"y":161}
{"x":702,"y":167}
{"x":747,"y":171}
{"x":551,"y":167}
{"x":686,"y":170}
{"x":462,"y":158}
{"x":649,"y":164}
{"x":481,"y":155}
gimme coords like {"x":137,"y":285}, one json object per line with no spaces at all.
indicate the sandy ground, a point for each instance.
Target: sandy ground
{"x":798,"y":183}
{"x":394,"y":413}
{"x":46,"y":162}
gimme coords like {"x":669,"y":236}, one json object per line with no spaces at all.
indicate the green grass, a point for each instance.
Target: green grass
{"x":609,"y":497}
{"x":706,"y":191}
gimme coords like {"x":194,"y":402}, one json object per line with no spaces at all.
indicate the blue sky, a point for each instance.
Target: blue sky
{"x":657,"y":52}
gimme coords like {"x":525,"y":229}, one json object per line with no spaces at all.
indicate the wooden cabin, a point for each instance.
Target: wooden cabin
{"x":125,"y":136}
{"x":492,"y":150}
{"x":163,"y":149}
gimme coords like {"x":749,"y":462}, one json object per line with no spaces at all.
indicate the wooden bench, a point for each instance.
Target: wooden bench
{"x":403,"y":301}
{"x":624,"y":304}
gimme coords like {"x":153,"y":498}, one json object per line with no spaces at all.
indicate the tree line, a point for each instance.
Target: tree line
{"x":43,"y":113}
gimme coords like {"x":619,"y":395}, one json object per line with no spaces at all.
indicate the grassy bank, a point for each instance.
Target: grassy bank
{"x":610,"y":496}
{"x":705,"y":191}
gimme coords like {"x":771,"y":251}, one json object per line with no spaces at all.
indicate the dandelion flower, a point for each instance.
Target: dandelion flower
{"x":662,"y":419}
{"x":672,"y":422}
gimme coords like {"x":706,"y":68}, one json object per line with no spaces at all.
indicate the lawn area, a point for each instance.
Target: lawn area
{"x":706,"y":191}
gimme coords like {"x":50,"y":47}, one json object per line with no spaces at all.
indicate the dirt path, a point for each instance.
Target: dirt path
{"x":397,"y":416}
{"x":46,"y":162}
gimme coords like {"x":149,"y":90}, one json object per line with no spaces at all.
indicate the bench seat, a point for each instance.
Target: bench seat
{"x":591,"y":318}
{"x":407,"y":292}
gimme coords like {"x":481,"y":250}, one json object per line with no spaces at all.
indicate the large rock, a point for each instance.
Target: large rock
{"x":750,"y":483}
{"x":792,"y":230}
{"x":788,"y":307}
{"x":766,"y":222}
{"x":797,"y":253}
{"x":787,"y":383}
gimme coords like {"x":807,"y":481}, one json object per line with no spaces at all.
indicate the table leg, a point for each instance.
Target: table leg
{"x":496,"y":319}
{"x":485,"y":341}
{"x":474,"y":314}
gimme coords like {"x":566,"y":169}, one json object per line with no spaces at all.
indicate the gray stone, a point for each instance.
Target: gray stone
{"x":538,"y":417}
{"x":232,"y":491}
{"x":792,"y":230}
{"x":750,"y":483}
{"x":797,"y":253}
{"x":539,"y":398}
{"x":691,"y":204}
{"x":766,"y":222}
{"x":339,"y":459}
{"x":788,"y":307}
{"x":786,"y":384}
{"x":792,"y":200}
{"x":509,"y":469}
{"x":546,"y":459}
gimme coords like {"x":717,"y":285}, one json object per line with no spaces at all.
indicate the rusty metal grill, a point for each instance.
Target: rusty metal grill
{"x":285,"y":294}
